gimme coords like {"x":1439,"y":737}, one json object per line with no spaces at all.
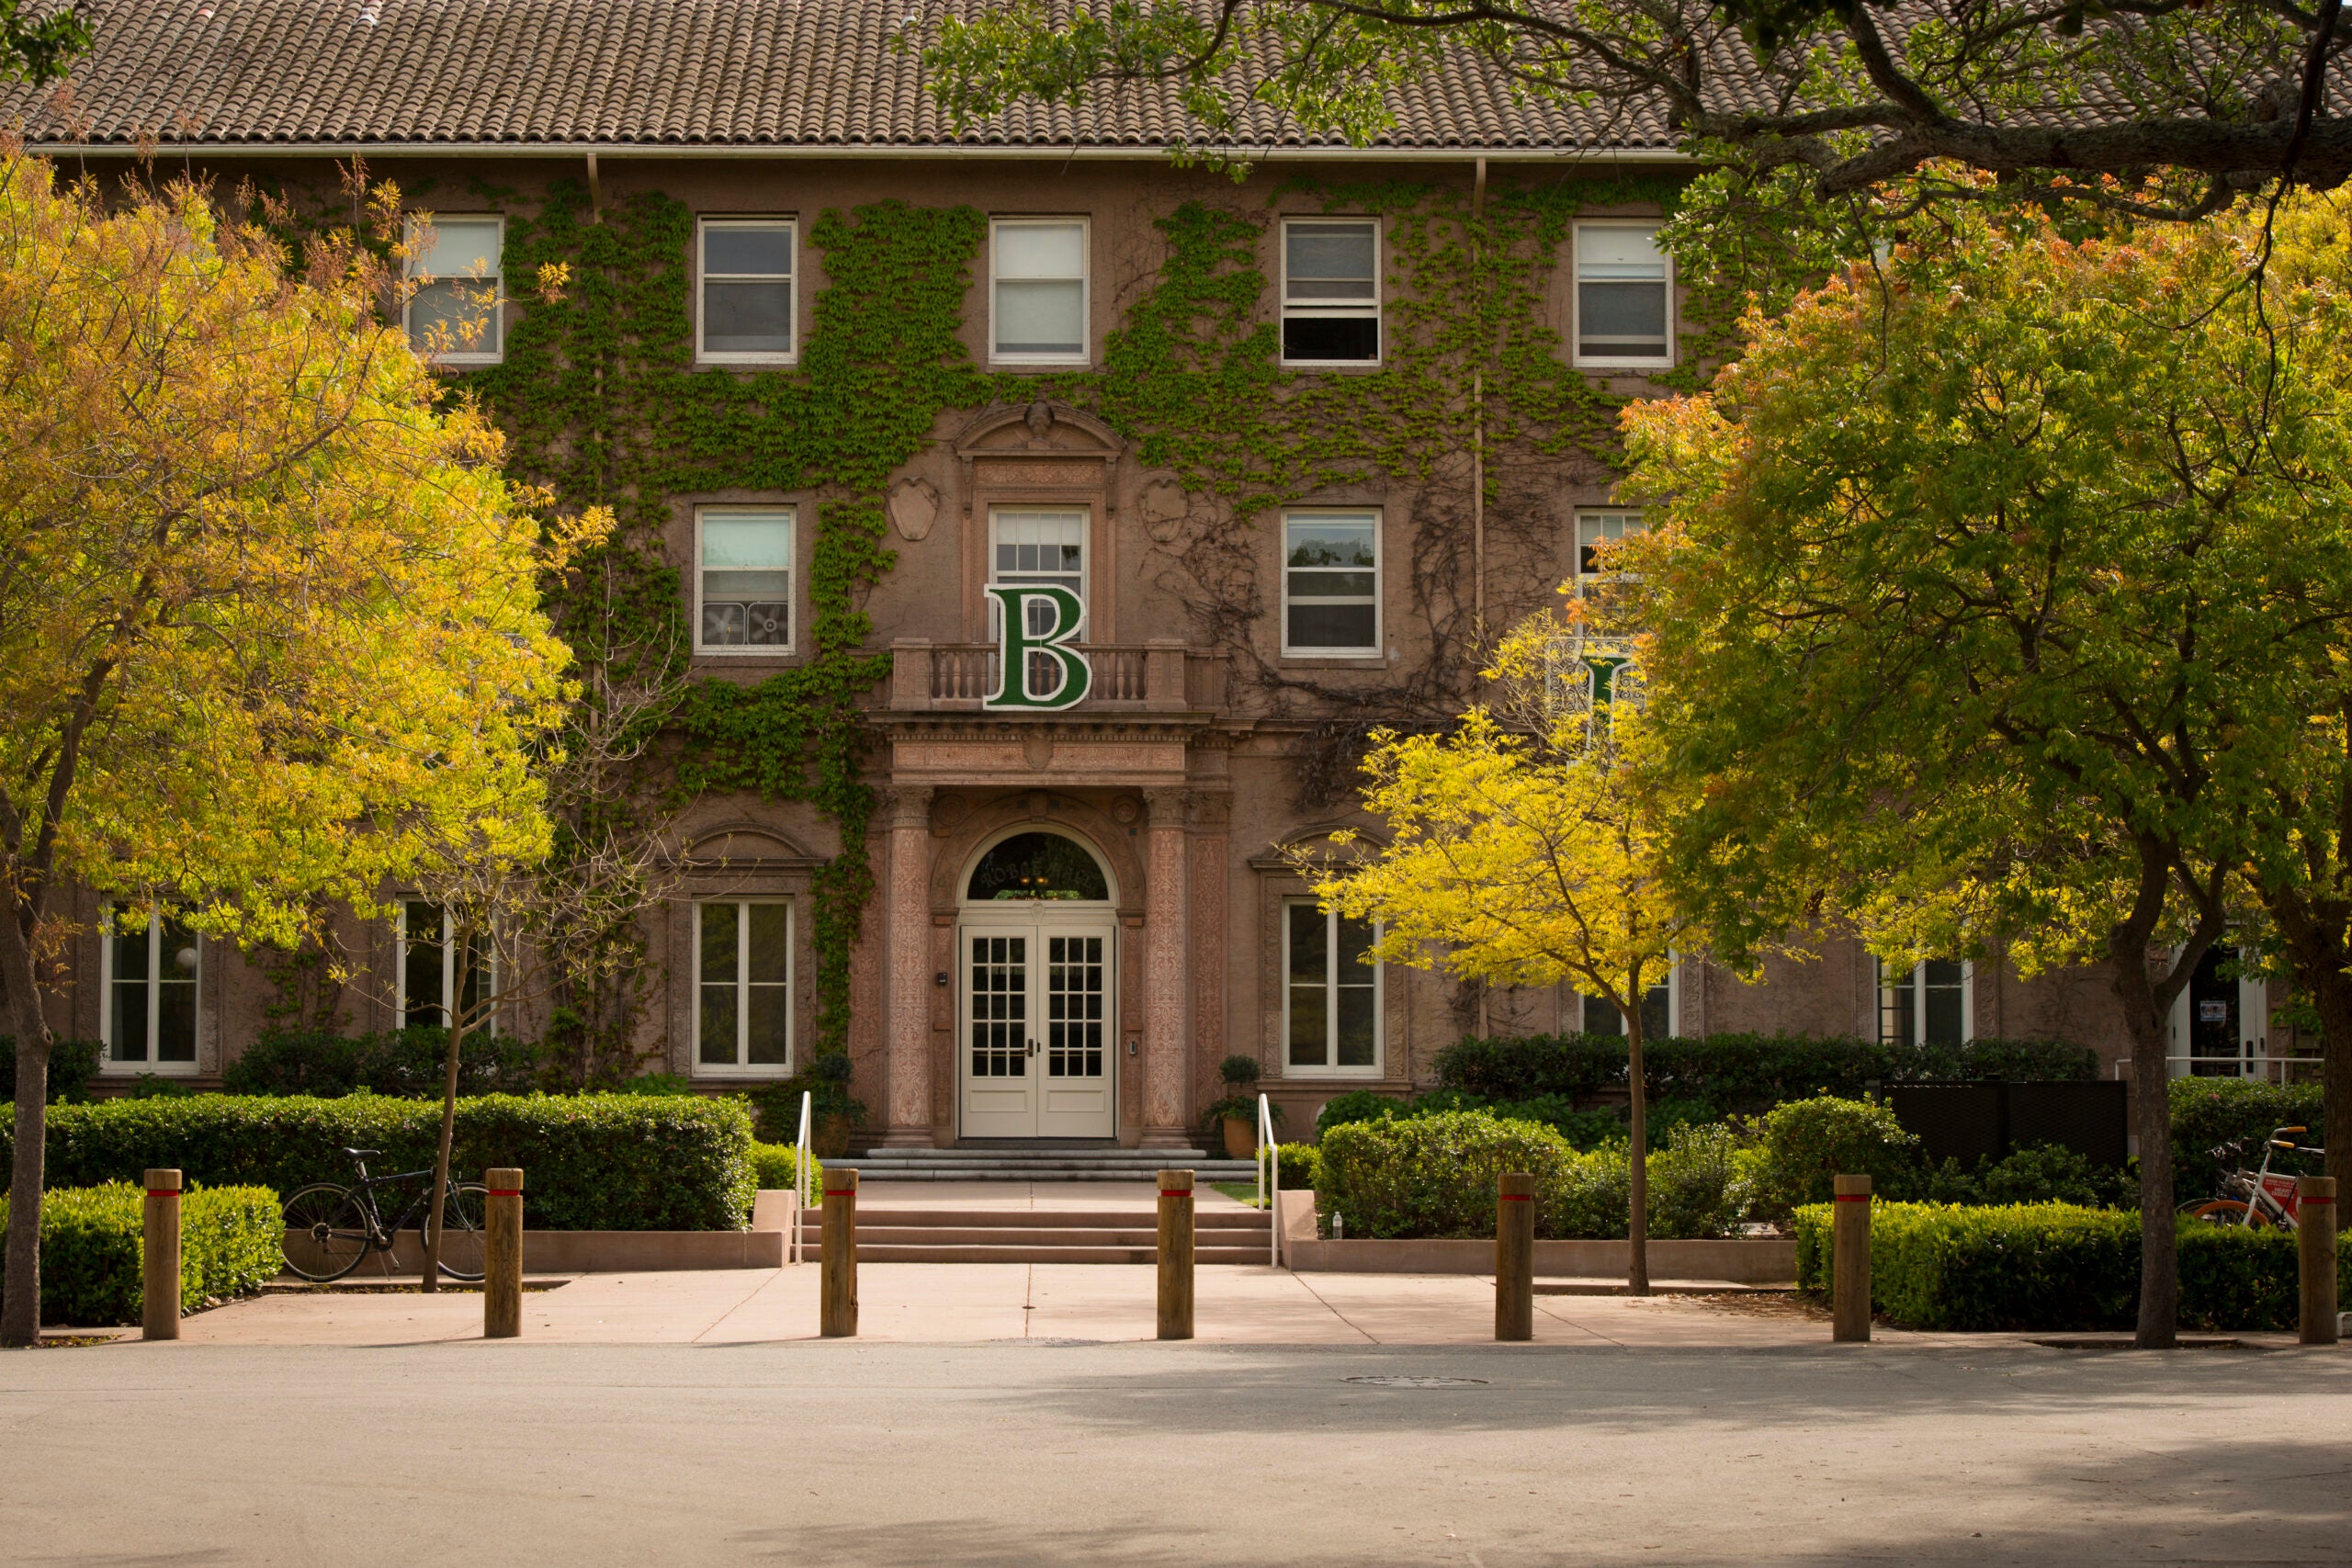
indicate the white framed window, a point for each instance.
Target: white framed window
{"x":1037,"y":290}
{"x":1331,"y":584}
{"x":1661,"y":1011}
{"x":745,"y":314}
{"x":743,"y":987}
{"x":455,"y":315}
{"x":1624,"y":295}
{"x":1932,"y":1003}
{"x":1036,"y":547}
{"x":149,"y":971}
{"x":1331,"y":1001}
{"x":434,"y":976}
{"x":743,"y":558}
{"x":1594,"y":529}
{"x":1331,"y":291}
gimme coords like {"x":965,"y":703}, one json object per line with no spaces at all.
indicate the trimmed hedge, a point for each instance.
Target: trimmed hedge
{"x":2054,"y":1268}
{"x":772,"y":1168}
{"x":92,"y":1247}
{"x":404,"y":1063}
{"x":1741,"y":1073}
{"x":2208,"y":1112}
{"x":71,"y":1064}
{"x":1301,"y":1167}
{"x":590,"y":1162}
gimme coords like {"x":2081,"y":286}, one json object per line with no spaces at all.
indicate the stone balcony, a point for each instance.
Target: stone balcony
{"x":1149,"y":678}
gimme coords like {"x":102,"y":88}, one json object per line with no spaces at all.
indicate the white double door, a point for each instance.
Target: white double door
{"x":1037,"y":1043}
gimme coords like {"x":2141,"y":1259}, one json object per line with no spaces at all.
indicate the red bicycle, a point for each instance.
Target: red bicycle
{"x":2254,"y":1198}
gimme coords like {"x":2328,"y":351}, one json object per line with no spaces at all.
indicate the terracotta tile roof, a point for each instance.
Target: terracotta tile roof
{"x":620,"y":72}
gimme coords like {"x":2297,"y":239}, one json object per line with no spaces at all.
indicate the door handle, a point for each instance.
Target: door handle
{"x":1032,"y":1047}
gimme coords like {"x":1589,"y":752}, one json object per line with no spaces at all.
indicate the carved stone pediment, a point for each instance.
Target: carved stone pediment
{"x":1040,"y":445}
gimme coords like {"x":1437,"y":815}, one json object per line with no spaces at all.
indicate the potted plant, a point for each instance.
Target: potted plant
{"x":1236,"y":1113}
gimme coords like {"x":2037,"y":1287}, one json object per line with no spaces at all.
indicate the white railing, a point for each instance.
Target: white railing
{"x":1270,"y":1159}
{"x":801,"y":1178}
{"x":2272,"y":1069}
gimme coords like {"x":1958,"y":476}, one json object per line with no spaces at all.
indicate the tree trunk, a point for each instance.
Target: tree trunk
{"x":1637,"y":1225}
{"x":20,"y":1313}
{"x":2152,"y":1121}
{"x":2330,"y":989}
{"x":439,"y":1198}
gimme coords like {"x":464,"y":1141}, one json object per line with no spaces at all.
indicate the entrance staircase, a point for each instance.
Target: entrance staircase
{"x":1033,"y":1162}
{"x":892,"y":1235}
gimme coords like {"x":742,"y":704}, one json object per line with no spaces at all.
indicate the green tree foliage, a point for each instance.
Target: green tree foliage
{"x":1991,"y":600}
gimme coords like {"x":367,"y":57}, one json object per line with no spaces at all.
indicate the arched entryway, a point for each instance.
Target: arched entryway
{"x":1036,"y":981}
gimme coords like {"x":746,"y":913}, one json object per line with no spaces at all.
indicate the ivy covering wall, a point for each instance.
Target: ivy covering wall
{"x":601,"y":398}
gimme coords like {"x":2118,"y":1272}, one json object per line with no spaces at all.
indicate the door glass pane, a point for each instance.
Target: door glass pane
{"x":1074,"y":1020}
{"x":421,"y":974}
{"x":1310,"y":957}
{"x":999,"y":977}
{"x":2213,"y":1014}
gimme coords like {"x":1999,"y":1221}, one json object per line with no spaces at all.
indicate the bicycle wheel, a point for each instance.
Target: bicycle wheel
{"x":326,"y":1231}
{"x":2222,"y":1212}
{"x":461,"y":1218}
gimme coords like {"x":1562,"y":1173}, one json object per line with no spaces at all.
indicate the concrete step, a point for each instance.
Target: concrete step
{"x":968,"y":1169}
{"x":899,"y":1252}
{"x":871,"y":1215}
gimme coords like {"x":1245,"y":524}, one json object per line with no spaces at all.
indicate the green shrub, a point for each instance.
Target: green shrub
{"x":775,"y":1107}
{"x":1356,"y":1105}
{"x":1804,"y":1143}
{"x":2207,"y":1112}
{"x":405,"y":1063}
{"x":155,"y":1085}
{"x":1301,"y":1167}
{"x":91,"y":1249}
{"x":772,"y":1169}
{"x":1742,"y":1073}
{"x":1700,"y":1184}
{"x":1430,"y":1176}
{"x":590,"y":1162}
{"x":2054,"y":1268}
{"x":71,"y":1064}
{"x":2046,"y":1173}
{"x":1590,"y":1197}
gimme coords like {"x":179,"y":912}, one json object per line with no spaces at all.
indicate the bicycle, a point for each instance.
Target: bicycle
{"x":343,"y":1224}
{"x":2257,"y":1198}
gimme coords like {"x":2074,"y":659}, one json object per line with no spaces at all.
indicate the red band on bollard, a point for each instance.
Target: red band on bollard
{"x":1852,"y":1197}
{"x":2312,"y":1202}
{"x":502,"y":1192}
{"x":1517,"y":1197}
{"x":845,"y":1192}
{"x":1176,"y":1193}
{"x":174,"y":1192}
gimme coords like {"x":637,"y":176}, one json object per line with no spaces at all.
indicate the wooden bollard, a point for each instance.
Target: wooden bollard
{"x":159,"y":1316}
{"x":1849,"y":1235}
{"x":2315,"y":1250}
{"x":502,"y":1255}
{"x":837,"y":1311}
{"x":1175,"y":1255}
{"x":1515,"y":1255}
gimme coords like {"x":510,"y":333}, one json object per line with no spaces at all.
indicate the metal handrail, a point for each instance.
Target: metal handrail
{"x":2270,"y":1068}
{"x":800,"y":1177}
{"x":1270,"y":1155}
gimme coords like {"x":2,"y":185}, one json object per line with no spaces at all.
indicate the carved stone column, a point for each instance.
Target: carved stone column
{"x":1165,"y":1037}
{"x":908,"y":1037}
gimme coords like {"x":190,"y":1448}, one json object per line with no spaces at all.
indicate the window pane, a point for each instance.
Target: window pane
{"x":176,"y":995}
{"x":1342,"y":338}
{"x":458,"y":247}
{"x":719,"y":947}
{"x":454,"y":318}
{"x":1041,"y":250}
{"x":1040,"y":318}
{"x":1612,"y":251}
{"x":421,"y":968}
{"x":771,"y":1025}
{"x":747,"y":318}
{"x":1599,"y":1018}
{"x":1658,"y":1013}
{"x":1314,"y":624}
{"x":718,"y":1026}
{"x":1945,"y":1002}
{"x":746,"y":541}
{"x":1309,"y":970}
{"x":1358,"y":1046}
{"x":770,"y":950}
{"x":128,"y":1028}
{"x":762,"y":248}
{"x":1329,"y":261}
{"x":1331,"y":584}
{"x":1596,"y":528}
{"x":1622,"y":318}
{"x":1330,"y":542}
{"x":1896,"y":1022}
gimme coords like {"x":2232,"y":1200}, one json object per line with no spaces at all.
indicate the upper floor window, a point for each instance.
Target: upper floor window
{"x":1047,"y":547}
{"x":1331,"y":582}
{"x":1331,"y":1004}
{"x":453,"y":316}
{"x":1037,"y":276}
{"x":434,"y":977}
{"x":149,"y":968}
{"x":1594,"y":529}
{"x":747,"y":271}
{"x":743,"y":580}
{"x":1928,"y":1004}
{"x":1661,"y":1017}
{"x":1331,"y":291}
{"x":743,"y":986}
{"x":1624,"y":296}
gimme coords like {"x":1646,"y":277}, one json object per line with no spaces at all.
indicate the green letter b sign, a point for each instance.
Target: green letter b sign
{"x":1023,"y":652}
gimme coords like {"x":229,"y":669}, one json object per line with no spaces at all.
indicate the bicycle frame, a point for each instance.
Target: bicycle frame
{"x":2274,"y":1198}
{"x":365,"y":1187}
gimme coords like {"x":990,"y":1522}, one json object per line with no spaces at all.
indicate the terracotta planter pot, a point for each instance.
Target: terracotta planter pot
{"x":1240,"y":1138}
{"x":829,"y":1139}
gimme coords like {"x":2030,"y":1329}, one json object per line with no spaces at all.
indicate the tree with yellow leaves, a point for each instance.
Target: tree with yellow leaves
{"x":1524,"y":846}
{"x":269,"y":618}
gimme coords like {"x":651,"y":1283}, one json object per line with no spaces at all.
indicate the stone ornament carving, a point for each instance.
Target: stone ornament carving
{"x":1125,"y":810}
{"x":1040,"y":420}
{"x":914,"y":507}
{"x":948,"y":812}
{"x":1164,"y":508}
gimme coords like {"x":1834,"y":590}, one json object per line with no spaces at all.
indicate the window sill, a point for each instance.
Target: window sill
{"x":1333,"y":1075}
{"x":1330,"y":364}
{"x":1371,"y":660}
{"x":110,"y":1070}
{"x":747,"y":362}
{"x":767,"y":653}
{"x":1625,"y":367}
{"x":738,"y":1074}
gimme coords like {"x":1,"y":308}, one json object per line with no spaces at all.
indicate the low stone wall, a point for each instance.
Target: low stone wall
{"x":1741,"y":1261}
